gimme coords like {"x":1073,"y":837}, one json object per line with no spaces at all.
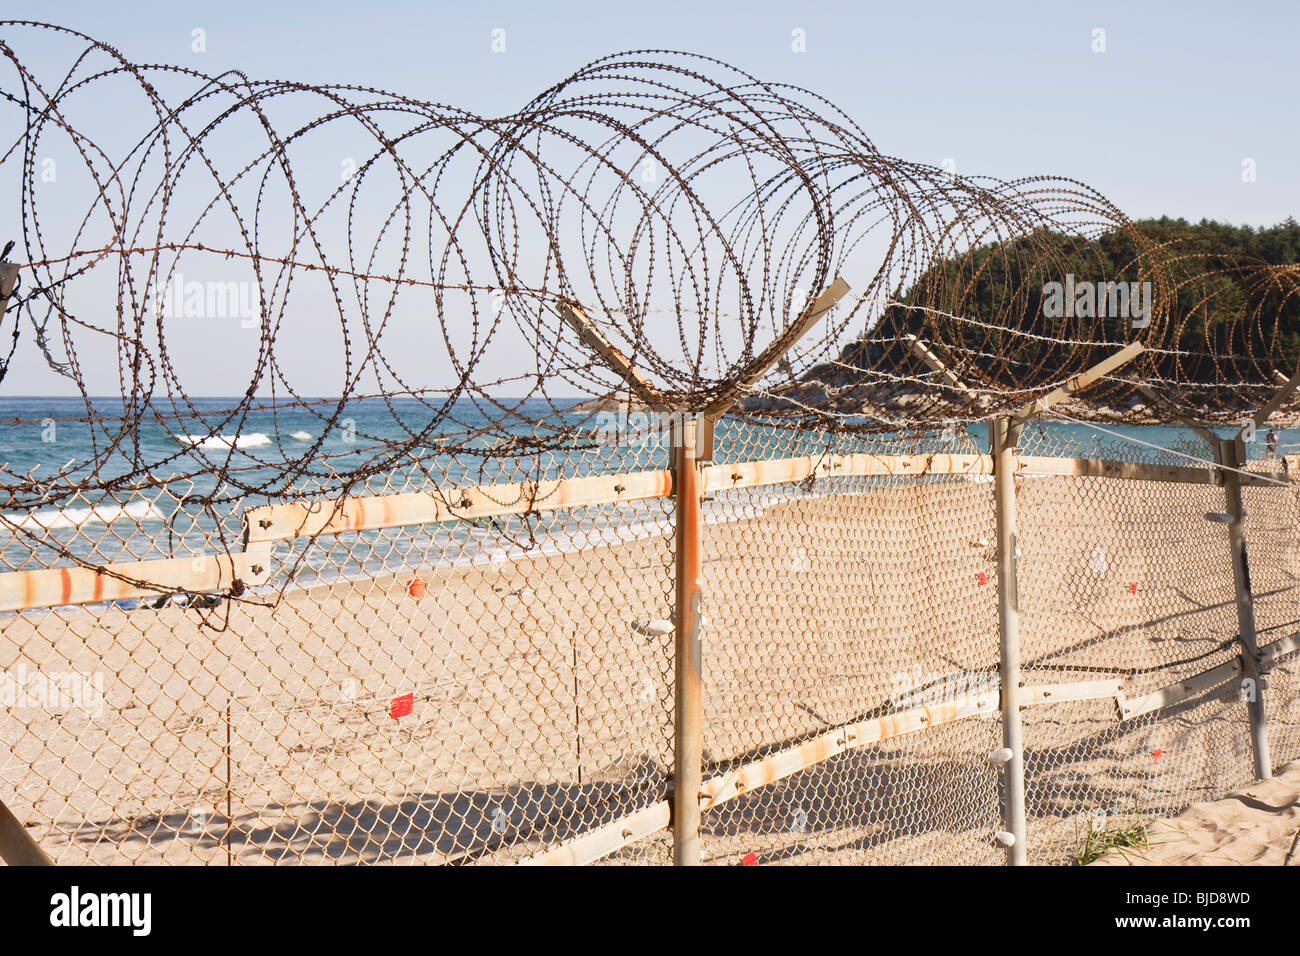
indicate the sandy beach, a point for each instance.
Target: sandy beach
{"x":1259,"y":825}
{"x":541,"y":704}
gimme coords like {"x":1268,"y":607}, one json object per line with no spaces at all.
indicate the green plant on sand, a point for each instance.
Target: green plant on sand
{"x":1096,"y":842}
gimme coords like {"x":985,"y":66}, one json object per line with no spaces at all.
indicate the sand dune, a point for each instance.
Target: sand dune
{"x":1258,"y":825}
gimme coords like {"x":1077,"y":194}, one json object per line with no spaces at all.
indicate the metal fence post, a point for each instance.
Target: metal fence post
{"x":1232,"y":453}
{"x":688,"y":744}
{"x":1006,"y":435}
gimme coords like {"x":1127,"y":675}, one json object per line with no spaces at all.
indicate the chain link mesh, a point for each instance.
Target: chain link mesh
{"x":486,"y":690}
{"x":831,"y":601}
{"x":409,"y":694}
{"x":1132,"y":579}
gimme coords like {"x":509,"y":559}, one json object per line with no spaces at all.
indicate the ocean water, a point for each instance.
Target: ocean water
{"x":55,"y":435}
{"x":154,"y":515}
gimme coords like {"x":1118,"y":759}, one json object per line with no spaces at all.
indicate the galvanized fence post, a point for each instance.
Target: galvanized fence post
{"x":1006,"y":435}
{"x":688,"y":744}
{"x":1232,"y":453}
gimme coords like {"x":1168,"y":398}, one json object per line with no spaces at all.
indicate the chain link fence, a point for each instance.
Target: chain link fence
{"x":1125,"y":580}
{"x":484,"y":672}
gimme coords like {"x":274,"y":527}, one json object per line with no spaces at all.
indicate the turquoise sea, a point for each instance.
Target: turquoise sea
{"x":151,"y":514}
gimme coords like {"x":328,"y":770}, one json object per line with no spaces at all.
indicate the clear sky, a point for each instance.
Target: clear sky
{"x":1160,"y":122}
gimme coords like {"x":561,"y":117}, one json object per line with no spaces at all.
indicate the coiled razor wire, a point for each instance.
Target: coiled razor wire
{"x":688,"y":208}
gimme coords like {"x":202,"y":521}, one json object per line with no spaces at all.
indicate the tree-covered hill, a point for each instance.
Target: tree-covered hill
{"x":1225,"y":306}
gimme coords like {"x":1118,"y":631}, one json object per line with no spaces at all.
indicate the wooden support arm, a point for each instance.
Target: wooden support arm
{"x":1077,"y":384}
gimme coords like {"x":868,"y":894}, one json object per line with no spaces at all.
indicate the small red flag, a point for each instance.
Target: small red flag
{"x":749,"y":859}
{"x":983,"y":580}
{"x":1132,"y":589}
{"x":1156,"y":753}
{"x":402,"y":705}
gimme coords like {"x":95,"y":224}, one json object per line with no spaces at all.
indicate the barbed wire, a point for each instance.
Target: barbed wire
{"x":688,"y":208}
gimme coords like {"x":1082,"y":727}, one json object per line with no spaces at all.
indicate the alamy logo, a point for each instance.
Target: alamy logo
{"x":56,"y":691}
{"x":1088,"y":300}
{"x":75,"y":909}
{"x":209,"y":300}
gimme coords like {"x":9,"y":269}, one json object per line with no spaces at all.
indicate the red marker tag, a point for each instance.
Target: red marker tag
{"x":749,"y":859}
{"x":402,"y":706}
{"x":1132,"y":589}
{"x":1156,"y":753}
{"x":982,"y":579}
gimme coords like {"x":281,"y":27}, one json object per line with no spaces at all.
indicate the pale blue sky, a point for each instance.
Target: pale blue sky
{"x":1160,"y":122}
